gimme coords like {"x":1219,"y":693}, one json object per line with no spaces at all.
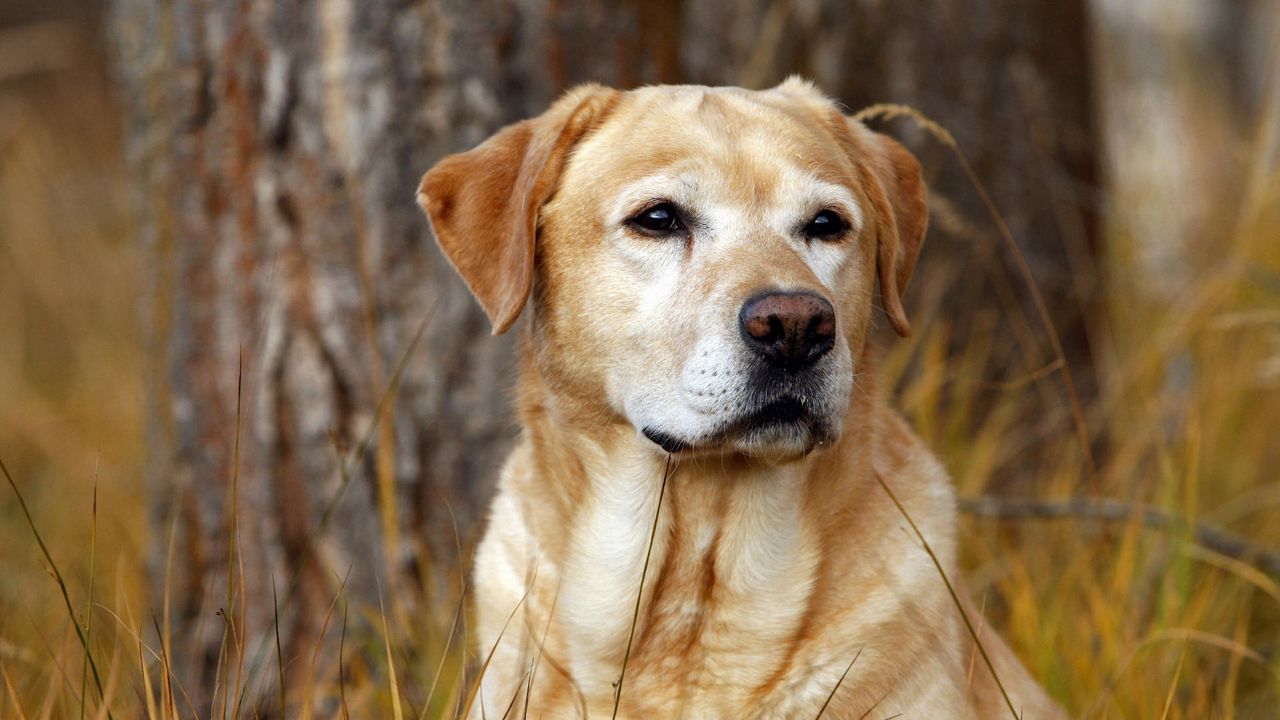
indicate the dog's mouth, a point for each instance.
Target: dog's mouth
{"x":667,"y":442}
{"x":779,"y":412}
{"x":786,"y":422}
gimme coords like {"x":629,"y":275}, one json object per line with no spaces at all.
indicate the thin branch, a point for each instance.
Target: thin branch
{"x":1111,"y":510}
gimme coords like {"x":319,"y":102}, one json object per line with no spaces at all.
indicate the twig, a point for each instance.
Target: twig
{"x":1110,"y":510}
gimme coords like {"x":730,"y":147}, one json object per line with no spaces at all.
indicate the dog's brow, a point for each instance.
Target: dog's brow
{"x":679,"y":187}
{"x":820,"y":193}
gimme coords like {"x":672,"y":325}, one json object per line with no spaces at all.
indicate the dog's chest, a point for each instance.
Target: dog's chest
{"x":730,"y":565}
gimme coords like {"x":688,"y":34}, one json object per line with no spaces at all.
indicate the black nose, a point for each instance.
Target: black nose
{"x":790,"y":330}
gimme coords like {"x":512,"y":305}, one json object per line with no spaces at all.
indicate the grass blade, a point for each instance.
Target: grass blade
{"x":475,"y":689}
{"x":275,"y":607}
{"x":839,"y":682}
{"x":635,"y":617}
{"x":346,"y":469}
{"x":1173,"y":686}
{"x":396,"y":712}
{"x":88,"y":610}
{"x":13,"y":694}
{"x":342,"y":680}
{"x":57,"y":576}
{"x":944,"y":136}
{"x":444,"y":655}
{"x":228,"y":638}
{"x":954,"y":597}
{"x":315,"y":652}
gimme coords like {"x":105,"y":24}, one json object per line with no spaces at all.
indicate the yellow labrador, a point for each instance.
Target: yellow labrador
{"x":696,"y":494}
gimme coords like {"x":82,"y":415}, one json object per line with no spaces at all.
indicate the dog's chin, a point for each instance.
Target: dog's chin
{"x":780,"y":431}
{"x":779,"y":442}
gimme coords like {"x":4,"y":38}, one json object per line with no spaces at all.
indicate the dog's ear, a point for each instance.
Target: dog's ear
{"x":901,"y":201}
{"x":483,"y":204}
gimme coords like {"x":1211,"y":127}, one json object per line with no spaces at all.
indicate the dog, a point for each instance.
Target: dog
{"x":701,"y":516}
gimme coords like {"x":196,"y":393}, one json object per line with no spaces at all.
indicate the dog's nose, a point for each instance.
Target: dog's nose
{"x":790,"y":330}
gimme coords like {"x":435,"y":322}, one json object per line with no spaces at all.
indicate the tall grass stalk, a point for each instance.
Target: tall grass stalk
{"x":644,"y":571}
{"x":955,"y":599}
{"x":62,"y":585}
{"x":88,"y":605}
{"x":836,"y":687}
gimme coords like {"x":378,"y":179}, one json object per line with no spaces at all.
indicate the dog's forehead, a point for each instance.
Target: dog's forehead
{"x":749,"y":136}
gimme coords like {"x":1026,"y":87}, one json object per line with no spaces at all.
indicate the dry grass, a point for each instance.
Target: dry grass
{"x":1118,"y":619}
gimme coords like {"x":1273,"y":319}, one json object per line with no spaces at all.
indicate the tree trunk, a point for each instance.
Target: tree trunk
{"x":294,"y":409}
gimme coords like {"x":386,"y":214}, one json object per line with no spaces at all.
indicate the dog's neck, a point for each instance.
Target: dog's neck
{"x":721,"y":542}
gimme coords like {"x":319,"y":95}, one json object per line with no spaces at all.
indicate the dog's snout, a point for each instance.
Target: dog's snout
{"x":790,"y":330}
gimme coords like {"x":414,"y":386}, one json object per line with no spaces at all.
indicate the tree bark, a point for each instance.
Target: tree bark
{"x":277,"y":145}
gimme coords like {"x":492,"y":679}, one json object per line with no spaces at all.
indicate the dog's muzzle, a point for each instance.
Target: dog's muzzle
{"x":787,"y":401}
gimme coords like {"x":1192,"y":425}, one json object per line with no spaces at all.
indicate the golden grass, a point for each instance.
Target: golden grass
{"x":1117,"y":618}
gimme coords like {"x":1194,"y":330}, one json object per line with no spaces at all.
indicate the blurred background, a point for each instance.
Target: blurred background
{"x":255,"y":419}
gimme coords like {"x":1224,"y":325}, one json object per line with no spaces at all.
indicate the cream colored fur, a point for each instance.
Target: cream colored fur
{"x":778,"y":558}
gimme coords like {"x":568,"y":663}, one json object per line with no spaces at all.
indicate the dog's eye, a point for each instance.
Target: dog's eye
{"x":660,"y":219}
{"x":825,"y":225}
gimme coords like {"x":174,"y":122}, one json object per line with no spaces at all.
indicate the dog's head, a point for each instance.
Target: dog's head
{"x":702,"y":261}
